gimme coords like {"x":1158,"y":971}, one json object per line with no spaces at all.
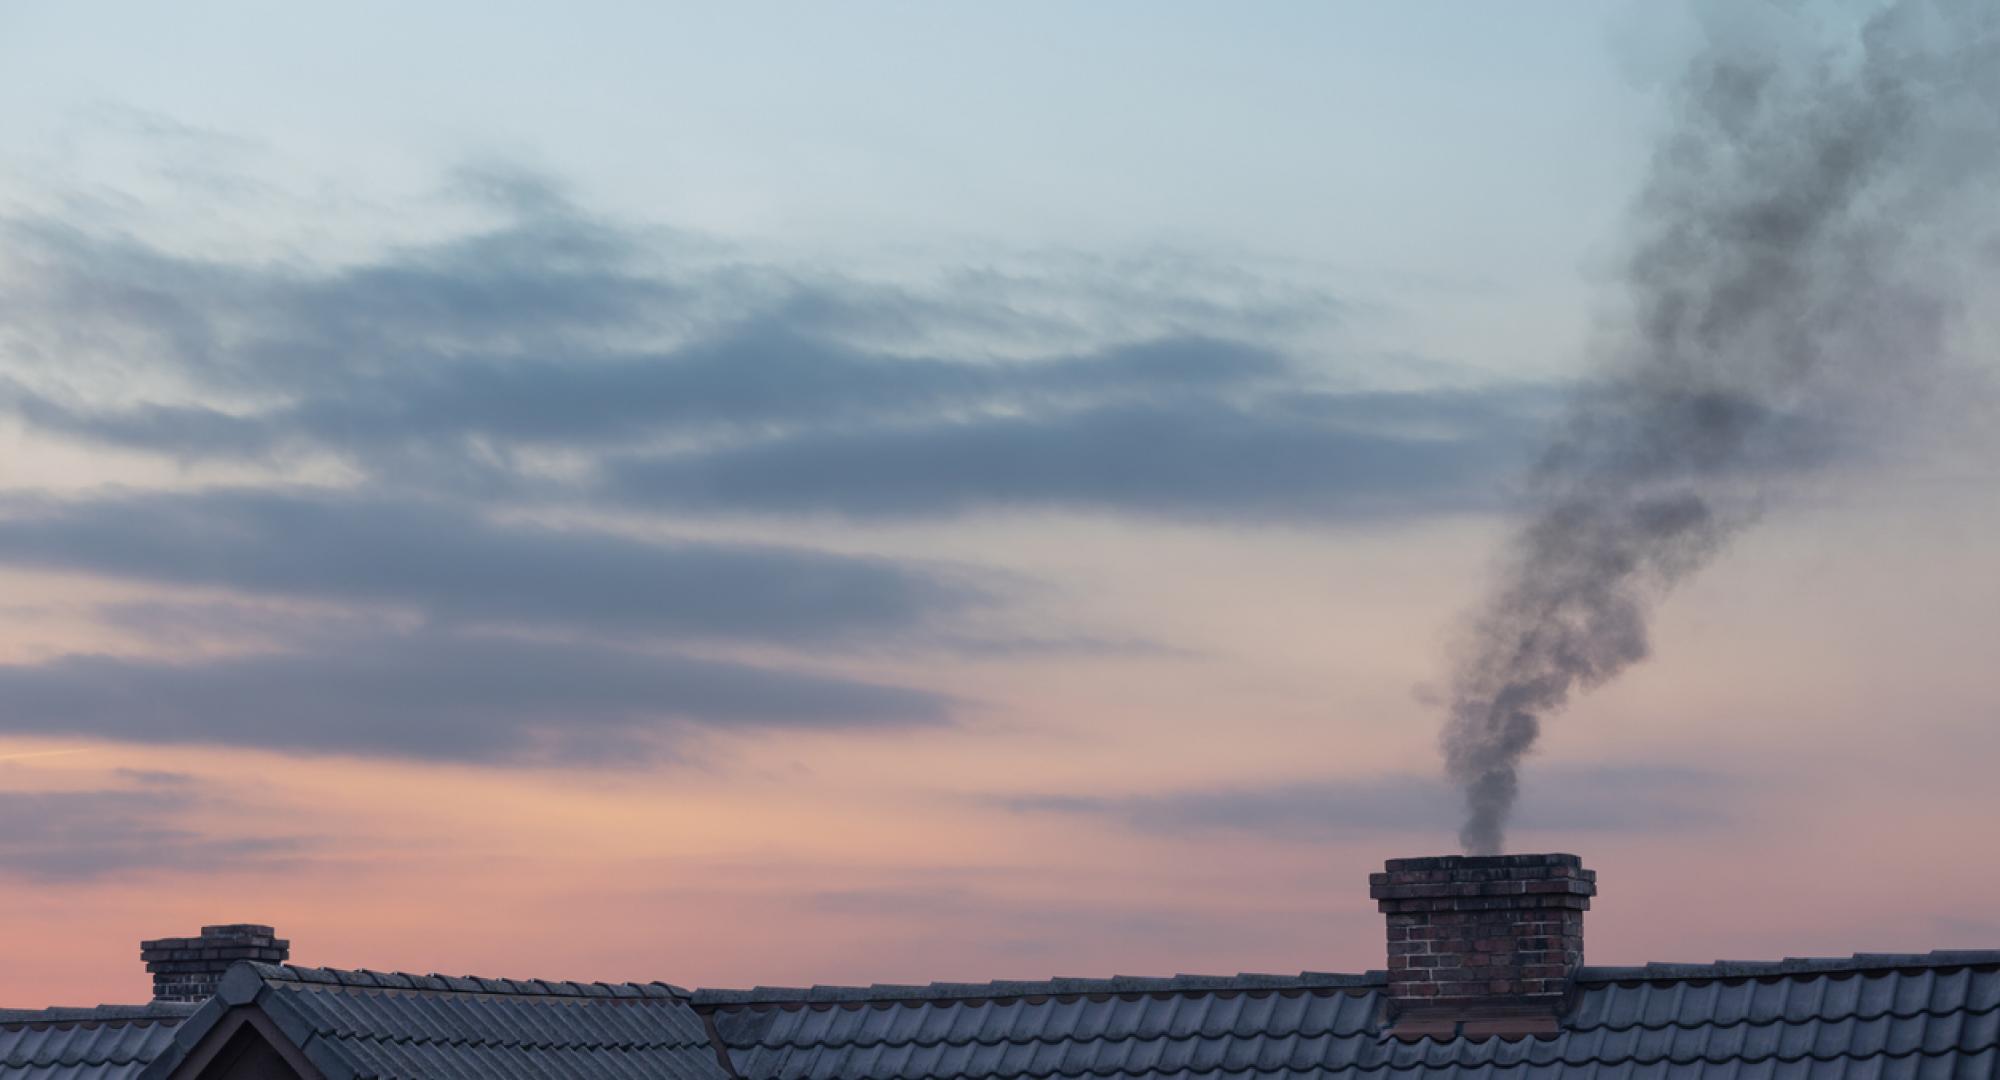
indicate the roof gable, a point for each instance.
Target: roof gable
{"x":354,"y":1024}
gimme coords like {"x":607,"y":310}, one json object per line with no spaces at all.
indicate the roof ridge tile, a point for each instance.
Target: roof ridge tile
{"x":1791,"y":966}
{"x":173,"y":1011}
{"x":1197,"y":1031}
{"x":435,"y":982}
{"x":1061,"y":986}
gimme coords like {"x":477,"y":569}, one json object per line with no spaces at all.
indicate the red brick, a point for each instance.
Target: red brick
{"x":1483,"y":928}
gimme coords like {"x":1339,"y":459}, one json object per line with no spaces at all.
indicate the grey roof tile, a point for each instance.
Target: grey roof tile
{"x":1932,"y":1016}
{"x":103,"y":1043}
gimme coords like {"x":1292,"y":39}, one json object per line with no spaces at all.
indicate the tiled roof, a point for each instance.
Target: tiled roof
{"x":1927,"y":1016}
{"x":107,"y":1042}
{"x":1933,"y":1016}
{"x":356,"y":1024}
{"x":1065,"y":1027}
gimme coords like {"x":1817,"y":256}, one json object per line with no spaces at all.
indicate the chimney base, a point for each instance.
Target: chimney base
{"x":1476,"y":1020}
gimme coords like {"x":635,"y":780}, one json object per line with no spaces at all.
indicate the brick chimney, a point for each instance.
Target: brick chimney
{"x":189,"y":968}
{"x":1477,"y":939}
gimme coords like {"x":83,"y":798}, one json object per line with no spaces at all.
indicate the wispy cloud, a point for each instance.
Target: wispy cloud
{"x":550,"y":365}
{"x":672,"y":381}
{"x":1300,"y":456}
{"x":36,"y":755}
{"x":1592,"y":798}
{"x":451,"y":563}
{"x":65,"y":836}
{"x":445,"y":696}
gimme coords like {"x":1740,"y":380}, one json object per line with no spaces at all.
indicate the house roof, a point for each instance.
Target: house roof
{"x":352,"y":1024}
{"x":1932,"y":1016}
{"x":106,"y":1042}
{"x":1885,"y":1017}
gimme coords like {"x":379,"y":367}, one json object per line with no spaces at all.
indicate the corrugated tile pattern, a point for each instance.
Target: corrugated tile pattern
{"x":393,"y":1026}
{"x":1132,"y":1033}
{"x":83,"y":1049}
{"x":1932,"y":1019}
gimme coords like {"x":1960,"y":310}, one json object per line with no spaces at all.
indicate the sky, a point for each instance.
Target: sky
{"x":771,"y":494}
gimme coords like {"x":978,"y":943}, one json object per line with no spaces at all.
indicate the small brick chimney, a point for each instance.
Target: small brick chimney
{"x":189,"y":968}
{"x":1484,"y":936}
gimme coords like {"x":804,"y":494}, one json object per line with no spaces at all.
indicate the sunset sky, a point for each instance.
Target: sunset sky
{"x":770,"y":494}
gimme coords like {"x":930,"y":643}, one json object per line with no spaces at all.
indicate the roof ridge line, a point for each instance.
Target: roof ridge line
{"x":1050,"y":1040}
{"x":1790,"y":966}
{"x":434,"y":982}
{"x":87,"y":1022}
{"x":85,"y":1014}
{"x":1061,"y":986}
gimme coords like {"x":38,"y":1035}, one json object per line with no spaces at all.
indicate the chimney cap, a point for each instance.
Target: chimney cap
{"x":242,"y":929}
{"x":1482,"y":883}
{"x":1484,"y":862}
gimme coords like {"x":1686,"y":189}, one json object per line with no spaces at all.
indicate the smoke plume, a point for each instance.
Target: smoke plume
{"x":1788,"y":277}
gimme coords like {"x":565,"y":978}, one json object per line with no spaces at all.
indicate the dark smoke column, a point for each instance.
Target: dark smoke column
{"x":1773,"y":310}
